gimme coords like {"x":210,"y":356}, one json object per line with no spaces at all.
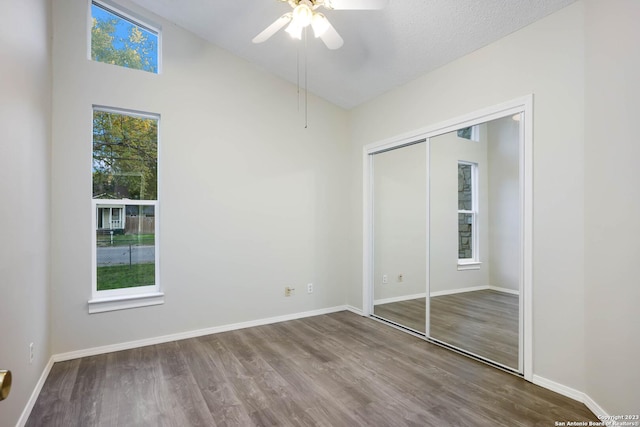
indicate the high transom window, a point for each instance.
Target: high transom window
{"x":119,"y":39}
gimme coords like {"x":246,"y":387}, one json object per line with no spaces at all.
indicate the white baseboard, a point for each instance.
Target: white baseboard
{"x":458,"y":291}
{"x":191,"y":334}
{"x":504,"y":290}
{"x":24,"y":417}
{"x":571,"y":393}
{"x":400,"y":298}
{"x":594,"y":407}
{"x":355,"y":310}
{"x":473,"y":289}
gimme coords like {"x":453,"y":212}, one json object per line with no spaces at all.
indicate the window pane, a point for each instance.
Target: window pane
{"x":465,"y":195}
{"x":119,"y":41}
{"x":125,"y":157}
{"x":465,"y":236}
{"x":125,"y":246}
{"x":465,"y":133}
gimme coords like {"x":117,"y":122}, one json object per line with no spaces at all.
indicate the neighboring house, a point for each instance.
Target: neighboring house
{"x":111,"y":218}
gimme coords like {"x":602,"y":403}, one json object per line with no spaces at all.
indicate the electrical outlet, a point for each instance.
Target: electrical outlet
{"x":31,"y":353}
{"x":400,"y":278}
{"x":309,"y":288}
{"x":385,"y":278}
{"x":289,"y":291}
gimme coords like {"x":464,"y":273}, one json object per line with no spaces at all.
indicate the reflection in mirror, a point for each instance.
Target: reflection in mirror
{"x":400,"y":235}
{"x":474,"y":240}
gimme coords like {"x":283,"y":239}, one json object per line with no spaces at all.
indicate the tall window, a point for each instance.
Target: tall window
{"x":119,"y":39}
{"x":125,"y":201}
{"x":467,"y":212}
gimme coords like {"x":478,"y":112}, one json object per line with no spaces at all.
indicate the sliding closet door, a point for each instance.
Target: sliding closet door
{"x":475,"y":240}
{"x":399,"y":193}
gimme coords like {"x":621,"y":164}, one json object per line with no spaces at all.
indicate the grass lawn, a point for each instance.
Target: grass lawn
{"x":126,"y":276}
{"x":126,"y":239}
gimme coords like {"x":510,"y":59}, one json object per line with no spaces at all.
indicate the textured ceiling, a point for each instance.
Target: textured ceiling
{"x":382,"y":49}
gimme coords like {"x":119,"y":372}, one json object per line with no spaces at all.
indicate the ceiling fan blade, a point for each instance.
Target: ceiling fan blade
{"x":273,"y":28}
{"x":355,"y":4}
{"x":331,"y":38}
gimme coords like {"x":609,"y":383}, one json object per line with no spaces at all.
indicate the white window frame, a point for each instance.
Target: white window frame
{"x":472,"y":263}
{"x":139,"y":296}
{"x":127,"y":15}
{"x":475,"y":133}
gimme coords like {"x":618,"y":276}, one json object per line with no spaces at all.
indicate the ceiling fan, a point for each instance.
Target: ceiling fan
{"x":305,"y":13}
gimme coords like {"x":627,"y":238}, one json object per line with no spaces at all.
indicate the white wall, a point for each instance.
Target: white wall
{"x":250,"y":201}
{"x":445,"y":152}
{"x":612,"y":204}
{"x":546,"y":59}
{"x":25,"y":100}
{"x":504,"y":203}
{"x":400,"y":221}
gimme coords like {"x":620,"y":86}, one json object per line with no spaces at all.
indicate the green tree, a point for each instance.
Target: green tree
{"x":134,"y":51}
{"x":125,"y":157}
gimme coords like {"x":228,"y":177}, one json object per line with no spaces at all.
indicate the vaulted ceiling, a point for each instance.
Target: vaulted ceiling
{"x":382,"y":49}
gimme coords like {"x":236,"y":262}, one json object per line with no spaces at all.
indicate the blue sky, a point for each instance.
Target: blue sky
{"x":123,"y":28}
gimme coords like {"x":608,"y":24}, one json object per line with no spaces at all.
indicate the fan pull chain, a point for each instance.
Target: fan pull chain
{"x":298,"y":76}
{"x":306,"y":92}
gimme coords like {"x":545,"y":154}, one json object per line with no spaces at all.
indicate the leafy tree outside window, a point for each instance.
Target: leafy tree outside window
{"x":125,"y":154}
{"x":119,"y":40}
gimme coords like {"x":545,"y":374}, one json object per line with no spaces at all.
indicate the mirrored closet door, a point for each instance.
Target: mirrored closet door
{"x":400,"y":235}
{"x":447,"y":237}
{"x":475,"y":240}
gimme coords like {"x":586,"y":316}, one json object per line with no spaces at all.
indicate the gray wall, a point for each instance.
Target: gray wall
{"x":250,"y":201}
{"x":400,"y":221}
{"x":504,"y":203}
{"x":547,"y":59}
{"x":24,"y":188}
{"x":612,"y":204}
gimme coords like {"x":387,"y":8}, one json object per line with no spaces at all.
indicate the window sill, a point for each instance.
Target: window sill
{"x":474,"y":265}
{"x":100,"y":305}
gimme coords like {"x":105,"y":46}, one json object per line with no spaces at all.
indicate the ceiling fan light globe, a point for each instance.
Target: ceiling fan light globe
{"x":320,"y":24}
{"x":295,"y":31}
{"x":302,"y":15}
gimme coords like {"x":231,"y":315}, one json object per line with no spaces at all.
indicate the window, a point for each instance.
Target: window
{"x":468,"y":214}
{"x":125,"y":202}
{"x":472,"y":133}
{"x":116,"y":38}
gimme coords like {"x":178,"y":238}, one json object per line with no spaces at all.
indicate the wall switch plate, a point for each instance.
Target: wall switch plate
{"x":400,"y":278}
{"x":289,"y":291}
{"x":31,"y":353}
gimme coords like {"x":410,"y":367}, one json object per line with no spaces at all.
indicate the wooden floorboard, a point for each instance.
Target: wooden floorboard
{"x":409,"y":313}
{"x":339,"y":369}
{"x":483,"y":322}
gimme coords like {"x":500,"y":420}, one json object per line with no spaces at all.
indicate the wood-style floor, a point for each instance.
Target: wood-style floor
{"x":409,"y":313}
{"x":333,"y":370}
{"x":481,"y":322}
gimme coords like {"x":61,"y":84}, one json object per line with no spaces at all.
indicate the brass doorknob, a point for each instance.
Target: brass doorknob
{"x":5,"y":384}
